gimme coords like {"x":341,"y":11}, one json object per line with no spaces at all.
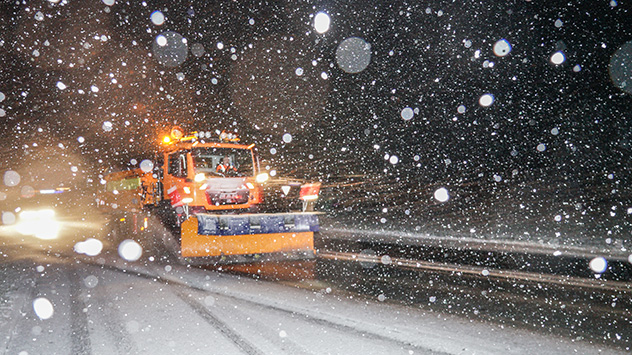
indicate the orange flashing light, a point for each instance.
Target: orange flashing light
{"x":166,"y":140}
{"x":177,"y":133}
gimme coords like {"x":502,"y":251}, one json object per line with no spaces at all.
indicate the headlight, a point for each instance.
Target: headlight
{"x":40,"y":224}
{"x":200,"y":177}
{"x":261,"y":178}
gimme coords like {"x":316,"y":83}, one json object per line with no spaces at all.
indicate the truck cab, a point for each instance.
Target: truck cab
{"x":210,"y":176}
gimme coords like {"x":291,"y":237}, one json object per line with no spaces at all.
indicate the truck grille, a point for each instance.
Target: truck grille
{"x":227,"y":197}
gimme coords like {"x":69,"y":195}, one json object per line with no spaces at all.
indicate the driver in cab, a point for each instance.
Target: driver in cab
{"x":226,"y":168}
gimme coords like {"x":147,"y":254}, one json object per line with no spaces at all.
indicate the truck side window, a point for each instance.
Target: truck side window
{"x":174,"y":164}
{"x":183,"y":164}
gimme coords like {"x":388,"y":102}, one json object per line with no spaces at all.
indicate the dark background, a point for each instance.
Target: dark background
{"x":500,"y":185}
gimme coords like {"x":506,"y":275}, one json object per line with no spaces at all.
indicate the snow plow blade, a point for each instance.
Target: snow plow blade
{"x":260,"y":235}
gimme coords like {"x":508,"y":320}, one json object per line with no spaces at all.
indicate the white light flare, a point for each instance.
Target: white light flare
{"x":442,"y":195}
{"x":161,"y":40}
{"x":558,"y":58}
{"x":130,"y":250}
{"x":43,"y":308}
{"x":146,"y":165}
{"x":40,"y":224}
{"x":321,"y":22}
{"x":598,"y":265}
{"x":157,"y":18}
{"x":407,"y":113}
{"x":90,"y":247}
{"x":502,"y":48}
{"x":11,"y":178}
{"x":486,"y":100}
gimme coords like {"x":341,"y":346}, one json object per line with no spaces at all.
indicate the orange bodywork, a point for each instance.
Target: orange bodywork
{"x":202,"y":189}
{"x":195,"y":245}
{"x":185,"y":190}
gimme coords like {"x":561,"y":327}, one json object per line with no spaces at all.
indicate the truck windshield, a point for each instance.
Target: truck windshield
{"x":223,"y":161}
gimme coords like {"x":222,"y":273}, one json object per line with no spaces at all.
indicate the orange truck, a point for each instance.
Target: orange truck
{"x":212,"y":193}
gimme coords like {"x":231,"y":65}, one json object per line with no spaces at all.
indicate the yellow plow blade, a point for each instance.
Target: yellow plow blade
{"x":194,"y":244}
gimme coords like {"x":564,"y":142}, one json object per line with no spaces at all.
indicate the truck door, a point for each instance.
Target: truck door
{"x":176,"y":174}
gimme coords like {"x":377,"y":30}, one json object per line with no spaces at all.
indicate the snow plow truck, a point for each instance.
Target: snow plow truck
{"x":211,"y":193}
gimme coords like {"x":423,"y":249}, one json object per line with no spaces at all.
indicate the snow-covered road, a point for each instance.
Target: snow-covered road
{"x":115,"y":307}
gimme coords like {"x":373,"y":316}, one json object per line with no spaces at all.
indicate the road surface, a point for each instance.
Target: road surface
{"x":106,"y":305}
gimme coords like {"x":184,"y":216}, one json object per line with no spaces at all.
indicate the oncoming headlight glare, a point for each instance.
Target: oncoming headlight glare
{"x":40,"y":224}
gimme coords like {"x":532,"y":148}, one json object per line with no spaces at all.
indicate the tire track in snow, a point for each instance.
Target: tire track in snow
{"x":22,"y":308}
{"x":78,"y":318}
{"x":220,"y":325}
{"x":320,"y":321}
{"x":112,"y":321}
{"x":286,"y":346}
{"x":312,"y":317}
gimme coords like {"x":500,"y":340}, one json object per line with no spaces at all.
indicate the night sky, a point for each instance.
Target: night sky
{"x":87,"y":82}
